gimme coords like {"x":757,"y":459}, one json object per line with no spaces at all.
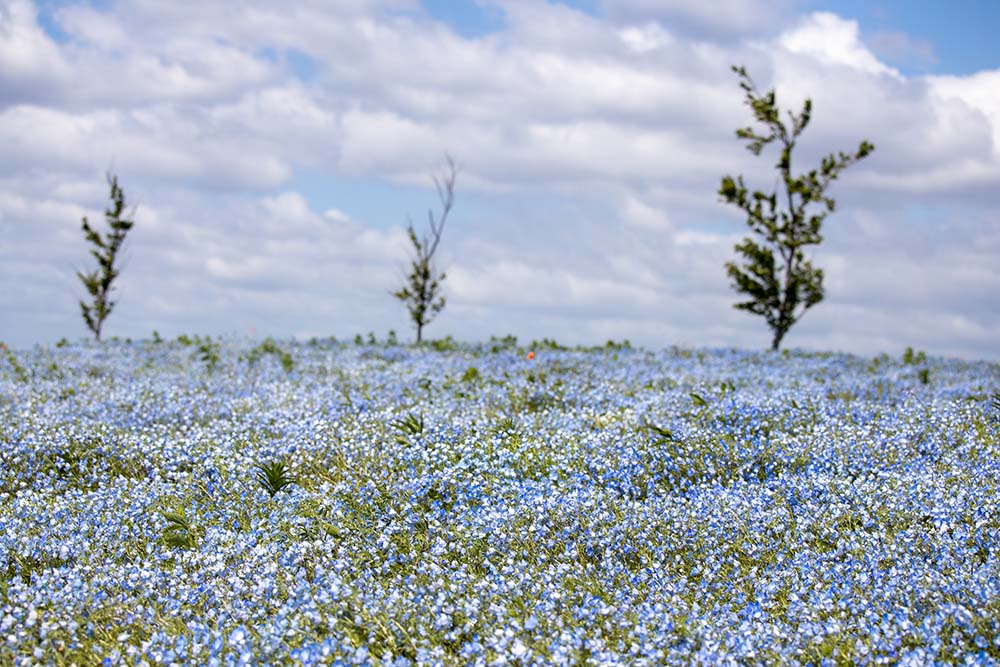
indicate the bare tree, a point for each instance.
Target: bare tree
{"x":422,"y":291}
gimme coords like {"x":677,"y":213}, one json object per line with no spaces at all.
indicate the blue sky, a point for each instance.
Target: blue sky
{"x":947,"y":37}
{"x":960,"y":37}
{"x":276,"y":157}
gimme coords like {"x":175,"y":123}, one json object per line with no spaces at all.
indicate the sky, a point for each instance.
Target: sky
{"x":277,"y":151}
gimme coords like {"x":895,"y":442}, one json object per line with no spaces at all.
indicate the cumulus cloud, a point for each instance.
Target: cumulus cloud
{"x":893,"y":46}
{"x":834,"y":41}
{"x":591,"y":149}
{"x":977,"y":94}
{"x":722,"y":19}
{"x":31,"y":66}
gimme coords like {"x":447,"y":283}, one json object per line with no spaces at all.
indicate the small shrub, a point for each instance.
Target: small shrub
{"x":268,"y":346}
{"x":20,"y":373}
{"x":546,"y":344}
{"x":506,"y":344}
{"x":446,"y":344}
{"x":208,"y":353}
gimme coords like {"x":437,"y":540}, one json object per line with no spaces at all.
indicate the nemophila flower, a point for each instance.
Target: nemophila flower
{"x":807,"y":508}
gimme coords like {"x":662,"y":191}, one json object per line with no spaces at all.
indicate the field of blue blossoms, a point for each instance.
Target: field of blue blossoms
{"x":217,"y":502}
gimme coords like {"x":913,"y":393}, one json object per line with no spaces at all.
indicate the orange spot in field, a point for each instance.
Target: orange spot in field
{"x":530,"y":356}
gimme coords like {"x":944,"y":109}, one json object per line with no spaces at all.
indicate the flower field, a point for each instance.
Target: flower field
{"x":220,"y":503}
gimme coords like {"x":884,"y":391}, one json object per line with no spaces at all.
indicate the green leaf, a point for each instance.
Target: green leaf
{"x":274,"y":477}
{"x":176,"y":519}
{"x":698,"y":400}
{"x":179,"y":532}
{"x":409,"y":425}
{"x":661,"y":432}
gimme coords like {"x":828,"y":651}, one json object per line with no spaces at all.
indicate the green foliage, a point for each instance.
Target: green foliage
{"x":660,"y":433}
{"x":208,"y":353}
{"x":422,"y":291}
{"x":268,"y":346}
{"x":546,"y":344}
{"x":105,"y":250}
{"x":505,"y":425}
{"x":507,"y":343}
{"x":446,"y":344}
{"x":996,"y":401}
{"x":780,"y":282}
{"x":912,"y":358}
{"x":410,"y":425}
{"x":180,"y":532}
{"x":471,"y":375}
{"x":274,"y":477}
{"x":20,"y":373}
{"x":24,"y":566}
{"x":924,"y":375}
{"x":698,"y":400}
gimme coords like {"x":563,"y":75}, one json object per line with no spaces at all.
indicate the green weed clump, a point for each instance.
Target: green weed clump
{"x":270,"y":347}
{"x":180,"y":532}
{"x":274,"y":477}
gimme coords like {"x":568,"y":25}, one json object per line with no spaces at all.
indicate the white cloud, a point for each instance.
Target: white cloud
{"x":647,"y":37}
{"x":980,"y":93}
{"x":638,"y":213}
{"x":336,"y":215}
{"x":718,"y":19}
{"x":900,"y":47}
{"x":834,"y":41}
{"x":30,"y":63}
{"x":591,"y":149}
